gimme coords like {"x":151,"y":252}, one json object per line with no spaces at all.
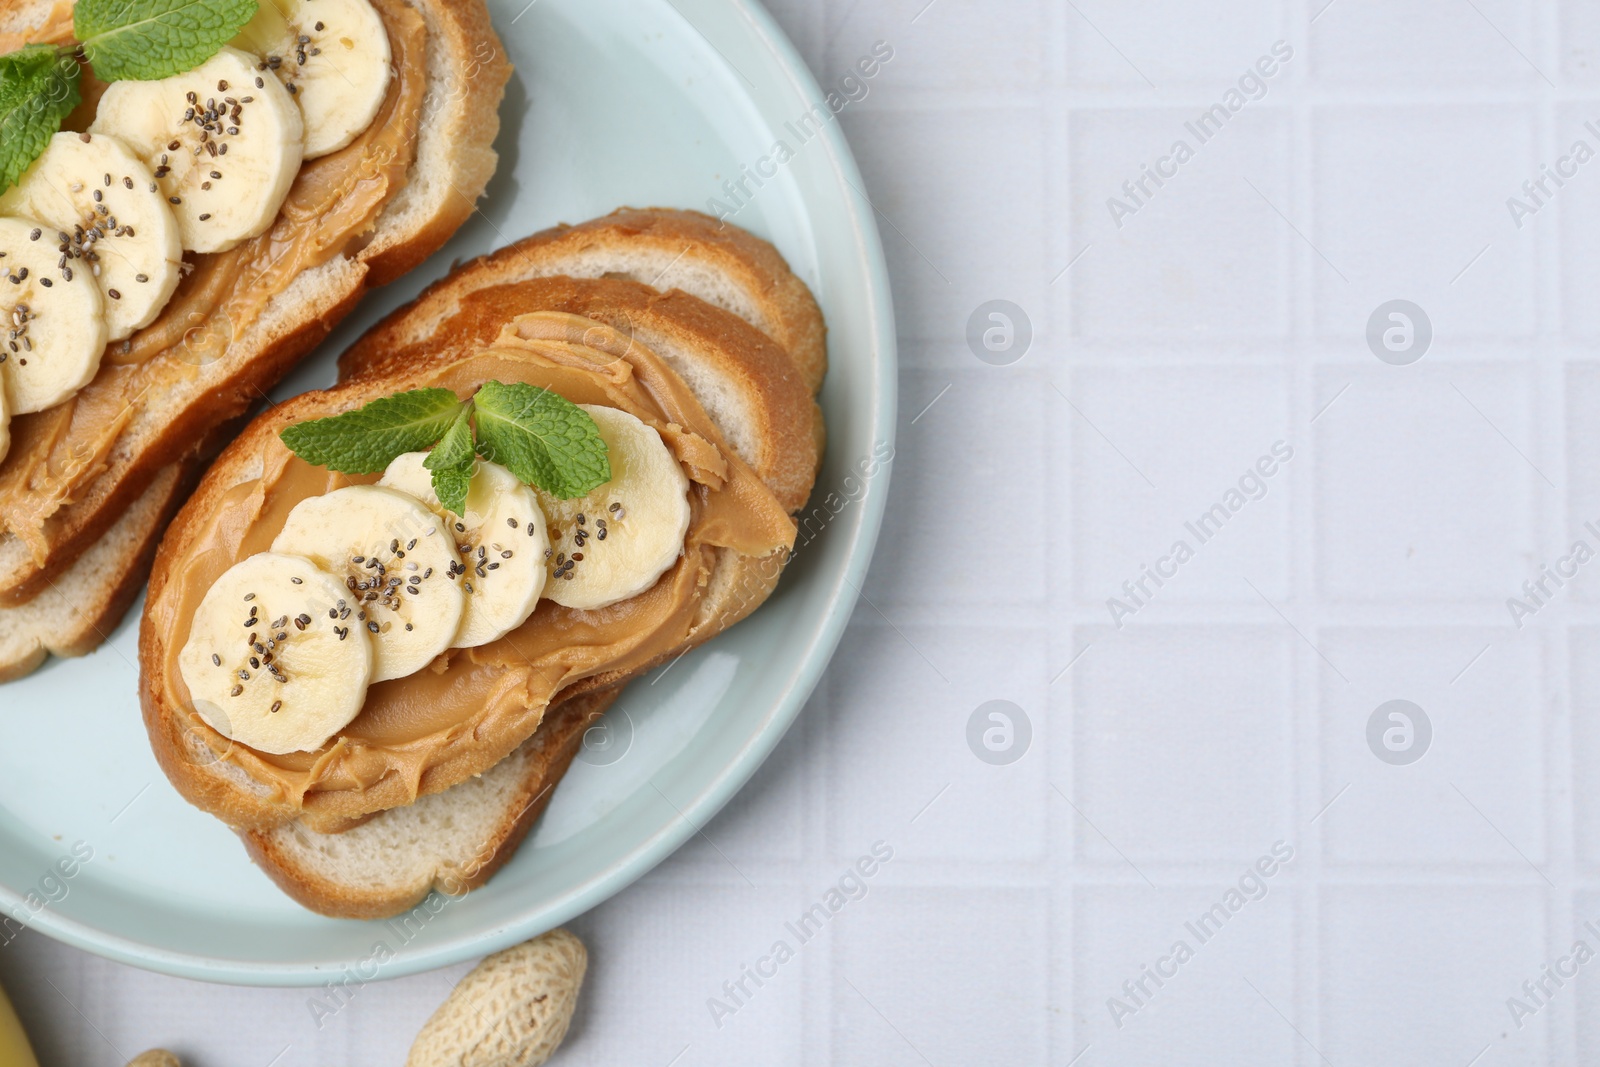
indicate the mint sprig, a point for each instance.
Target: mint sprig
{"x":142,"y":40}
{"x":38,"y":89}
{"x":151,"y":39}
{"x":541,"y":437}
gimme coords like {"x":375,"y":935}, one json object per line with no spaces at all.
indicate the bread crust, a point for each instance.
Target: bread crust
{"x":741,"y":358}
{"x":285,"y":855}
{"x":462,"y":122}
{"x":775,"y":300}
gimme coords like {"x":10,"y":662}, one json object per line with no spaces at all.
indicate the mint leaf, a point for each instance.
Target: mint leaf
{"x":367,"y":440}
{"x":453,"y":463}
{"x":544,"y":439}
{"x":38,"y":88}
{"x":144,"y":40}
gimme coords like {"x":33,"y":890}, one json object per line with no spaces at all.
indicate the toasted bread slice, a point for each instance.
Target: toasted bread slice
{"x":466,"y":74}
{"x":663,"y":248}
{"x":452,"y":842}
{"x":751,"y":391}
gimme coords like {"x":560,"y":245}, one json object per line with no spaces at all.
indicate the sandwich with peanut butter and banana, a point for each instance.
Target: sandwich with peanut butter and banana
{"x":377,"y":633}
{"x":192,"y":194}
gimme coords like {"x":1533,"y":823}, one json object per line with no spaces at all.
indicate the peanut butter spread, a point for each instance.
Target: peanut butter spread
{"x":485,"y":701}
{"x":331,"y":209}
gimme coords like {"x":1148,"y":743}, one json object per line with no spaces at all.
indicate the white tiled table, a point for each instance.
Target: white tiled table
{"x":1228,"y":713}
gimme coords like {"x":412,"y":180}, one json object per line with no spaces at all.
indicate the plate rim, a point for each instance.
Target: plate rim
{"x":809,"y":666}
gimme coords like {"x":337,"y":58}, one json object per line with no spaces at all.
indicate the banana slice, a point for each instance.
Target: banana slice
{"x":267,"y":662}
{"x":5,"y":419}
{"x":223,"y":140}
{"x":398,"y":564}
{"x":55,"y":327}
{"x":333,"y":56}
{"x":501,"y":540}
{"x":614,"y":543}
{"x":104,"y":215}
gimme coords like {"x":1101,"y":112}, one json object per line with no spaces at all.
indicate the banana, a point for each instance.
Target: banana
{"x":5,"y":419}
{"x":223,"y":140}
{"x":333,"y":55}
{"x":398,"y":564}
{"x":14,"y":1048}
{"x":501,"y":539}
{"x":55,"y":327}
{"x":269,"y":662}
{"x":104,"y":215}
{"x":614,"y":543}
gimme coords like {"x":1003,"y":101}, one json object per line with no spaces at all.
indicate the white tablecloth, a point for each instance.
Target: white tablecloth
{"x":1203,"y":854}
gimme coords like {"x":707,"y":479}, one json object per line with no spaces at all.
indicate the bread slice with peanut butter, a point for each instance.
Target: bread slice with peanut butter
{"x":730,"y":386}
{"x":452,"y":841}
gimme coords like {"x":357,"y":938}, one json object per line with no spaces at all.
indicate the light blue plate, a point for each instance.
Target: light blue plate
{"x":640,"y":102}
